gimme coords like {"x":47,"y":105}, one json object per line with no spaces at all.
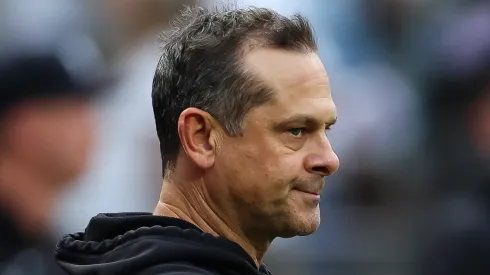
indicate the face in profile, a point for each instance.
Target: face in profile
{"x":273,"y":175}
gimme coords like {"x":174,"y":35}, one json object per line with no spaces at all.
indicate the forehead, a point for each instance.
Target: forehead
{"x":299,"y":81}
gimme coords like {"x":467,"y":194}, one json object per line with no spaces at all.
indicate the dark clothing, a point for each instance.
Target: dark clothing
{"x":466,"y":250}
{"x":20,"y":255}
{"x":141,"y":243}
{"x":463,"y":253}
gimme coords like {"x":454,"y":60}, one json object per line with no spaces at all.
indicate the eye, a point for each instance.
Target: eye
{"x":297,"y":132}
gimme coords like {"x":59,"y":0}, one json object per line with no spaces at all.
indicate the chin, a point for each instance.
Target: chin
{"x":307,"y":232}
{"x":301,"y":226}
{"x":308,"y":229}
{"x":69,"y":172}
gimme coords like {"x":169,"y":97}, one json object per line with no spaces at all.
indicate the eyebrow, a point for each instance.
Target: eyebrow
{"x":307,"y":120}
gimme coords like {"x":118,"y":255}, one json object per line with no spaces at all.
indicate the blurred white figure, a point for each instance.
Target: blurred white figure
{"x":282,"y":7}
{"x":126,"y":171}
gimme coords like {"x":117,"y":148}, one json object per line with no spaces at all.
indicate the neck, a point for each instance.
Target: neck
{"x":190,"y":205}
{"x":27,"y":198}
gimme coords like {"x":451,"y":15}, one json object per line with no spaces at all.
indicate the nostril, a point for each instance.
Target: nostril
{"x":320,"y":169}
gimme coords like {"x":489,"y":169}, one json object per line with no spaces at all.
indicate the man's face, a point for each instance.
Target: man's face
{"x":275,"y":171}
{"x":53,"y":136}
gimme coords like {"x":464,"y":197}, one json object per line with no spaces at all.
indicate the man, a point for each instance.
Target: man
{"x":46,"y":128}
{"x":242,"y":104}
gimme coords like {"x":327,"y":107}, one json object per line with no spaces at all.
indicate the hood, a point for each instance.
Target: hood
{"x":127,"y":243}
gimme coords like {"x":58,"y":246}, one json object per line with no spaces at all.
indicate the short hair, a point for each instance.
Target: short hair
{"x":202,"y":66}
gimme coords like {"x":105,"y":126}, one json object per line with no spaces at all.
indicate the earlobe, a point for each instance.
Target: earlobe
{"x":195,"y":132}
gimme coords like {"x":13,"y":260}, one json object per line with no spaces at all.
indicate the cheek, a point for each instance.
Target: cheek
{"x":79,"y":133}
{"x":257,"y":170}
{"x":263,"y":176}
{"x":75,"y":130}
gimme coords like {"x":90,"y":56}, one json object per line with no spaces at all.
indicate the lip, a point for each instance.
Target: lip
{"x":314,"y":193}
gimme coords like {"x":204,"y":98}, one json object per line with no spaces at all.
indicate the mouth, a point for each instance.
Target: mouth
{"x":311,"y":192}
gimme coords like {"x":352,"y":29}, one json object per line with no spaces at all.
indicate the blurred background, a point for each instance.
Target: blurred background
{"x":411,"y":80}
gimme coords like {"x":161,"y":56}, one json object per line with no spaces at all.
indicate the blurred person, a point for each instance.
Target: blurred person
{"x":242,"y":104}
{"x":46,"y":136}
{"x":50,"y":68}
{"x":123,"y":173}
{"x":458,"y":106}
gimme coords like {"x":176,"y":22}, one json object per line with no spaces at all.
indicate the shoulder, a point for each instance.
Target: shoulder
{"x":176,"y":269}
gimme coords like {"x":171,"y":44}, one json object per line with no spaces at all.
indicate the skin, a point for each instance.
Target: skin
{"x":46,"y":145}
{"x":480,"y":123}
{"x":258,"y":186}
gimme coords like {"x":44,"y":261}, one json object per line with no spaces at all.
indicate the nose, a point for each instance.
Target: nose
{"x":323,"y":161}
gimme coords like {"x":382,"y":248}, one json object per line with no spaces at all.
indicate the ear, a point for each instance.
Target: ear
{"x":197,"y":132}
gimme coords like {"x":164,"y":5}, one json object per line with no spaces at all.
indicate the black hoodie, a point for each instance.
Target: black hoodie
{"x":141,"y":243}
